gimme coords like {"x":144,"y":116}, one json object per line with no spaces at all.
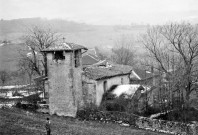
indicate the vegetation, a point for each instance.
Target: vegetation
{"x":123,"y":52}
{"x":37,"y":40}
{"x":189,"y":115}
{"x":14,"y":121}
{"x":4,"y":77}
{"x":173,"y":49}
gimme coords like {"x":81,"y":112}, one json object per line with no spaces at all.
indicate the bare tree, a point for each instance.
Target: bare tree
{"x":36,"y":40}
{"x":174,"y":50}
{"x":123,"y":52}
{"x":26,"y":66}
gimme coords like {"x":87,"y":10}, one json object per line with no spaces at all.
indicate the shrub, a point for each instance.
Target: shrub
{"x":149,"y":111}
{"x":18,"y":105}
{"x":33,"y":98}
{"x":86,"y":112}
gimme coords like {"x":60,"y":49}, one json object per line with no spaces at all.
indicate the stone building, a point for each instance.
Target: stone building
{"x":64,"y":65}
{"x":97,"y":80}
{"x":70,"y":87}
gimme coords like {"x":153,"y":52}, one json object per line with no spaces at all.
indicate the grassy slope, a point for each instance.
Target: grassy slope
{"x":19,"y":123}
{"x":9,"y":56}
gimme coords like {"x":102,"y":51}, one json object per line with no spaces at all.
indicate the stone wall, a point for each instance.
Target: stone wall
{"x":143,"y":122}
{"x":89,"y":93}
{"x":65,"y":85}
{"x":77,"y":81}
{"x":96,"y":89}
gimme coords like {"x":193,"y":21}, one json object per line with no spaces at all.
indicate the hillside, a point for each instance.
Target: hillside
{"x":18,"y":122}
{"x":90,"y":36}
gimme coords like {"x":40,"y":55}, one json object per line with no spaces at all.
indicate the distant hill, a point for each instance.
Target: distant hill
{"x":102,"y":36}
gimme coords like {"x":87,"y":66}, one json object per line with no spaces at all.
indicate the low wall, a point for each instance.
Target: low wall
{"x":167,"y":126}
{"x":142,"y":122}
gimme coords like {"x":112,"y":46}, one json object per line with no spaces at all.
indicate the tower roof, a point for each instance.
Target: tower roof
{"x":64,"y":47}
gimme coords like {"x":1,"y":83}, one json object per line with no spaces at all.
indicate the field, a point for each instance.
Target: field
{"x":18,"y":122}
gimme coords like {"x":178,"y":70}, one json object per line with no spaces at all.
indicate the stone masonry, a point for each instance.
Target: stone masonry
{"x":64,"y":81}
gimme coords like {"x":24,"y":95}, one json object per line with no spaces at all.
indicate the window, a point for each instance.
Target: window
{"x":59,"y":55}
{"x":105,"y":86}
{"x":122,"y":81}
{"x":77,"y":58}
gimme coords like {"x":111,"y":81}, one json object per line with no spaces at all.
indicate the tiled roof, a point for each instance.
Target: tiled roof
{"x":97,"y":73}
{"x":88,"y":59}
{"x":64,"y":47}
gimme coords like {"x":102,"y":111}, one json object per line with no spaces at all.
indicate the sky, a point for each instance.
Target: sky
{"x":103,"y":12}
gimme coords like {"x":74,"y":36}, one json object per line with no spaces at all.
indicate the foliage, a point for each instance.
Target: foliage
{"x":29,"y":106}
{"x":149,"y":111}
{"x":123,"y":103}
{"x":32,"y":98}
{"x":18,"y":105}
{"x":85,"y":113}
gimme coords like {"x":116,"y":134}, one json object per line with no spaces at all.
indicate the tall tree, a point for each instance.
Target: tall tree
{"x":27,"y":67}
{"x":123,"y":52}
{"x":36,"y":40}
{"x":174,"y":49}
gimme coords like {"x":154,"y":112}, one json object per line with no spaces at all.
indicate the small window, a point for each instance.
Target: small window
{"x":77,"y":58}
{"x":58,"y":55}
{"x":122,"y":81}
{"x":105,"y":86}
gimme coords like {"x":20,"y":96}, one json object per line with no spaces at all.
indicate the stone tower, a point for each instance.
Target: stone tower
{"x":64,"y":65}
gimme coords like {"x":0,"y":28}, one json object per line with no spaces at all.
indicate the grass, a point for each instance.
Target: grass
{"x":18,"y":122}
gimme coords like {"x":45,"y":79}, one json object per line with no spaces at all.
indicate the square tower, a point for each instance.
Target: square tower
{"x":64,"y":65}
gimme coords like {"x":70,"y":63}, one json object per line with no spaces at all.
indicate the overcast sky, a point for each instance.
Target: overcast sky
{"x":103,"y":11}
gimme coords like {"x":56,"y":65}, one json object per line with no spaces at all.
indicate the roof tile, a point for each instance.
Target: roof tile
{"x":97,"y":73}
{"x":64,"y":47}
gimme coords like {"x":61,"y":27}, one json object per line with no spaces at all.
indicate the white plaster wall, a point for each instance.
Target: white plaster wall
{"x":110,"y":82}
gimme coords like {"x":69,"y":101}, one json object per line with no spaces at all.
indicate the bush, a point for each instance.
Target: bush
{"x":29,"y":106}
{"x":85,"y":113}
{"x":18,"y":105}
{"x":33,"y":99}
{"x":149,"y":111}
{"x":113,"y":106}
